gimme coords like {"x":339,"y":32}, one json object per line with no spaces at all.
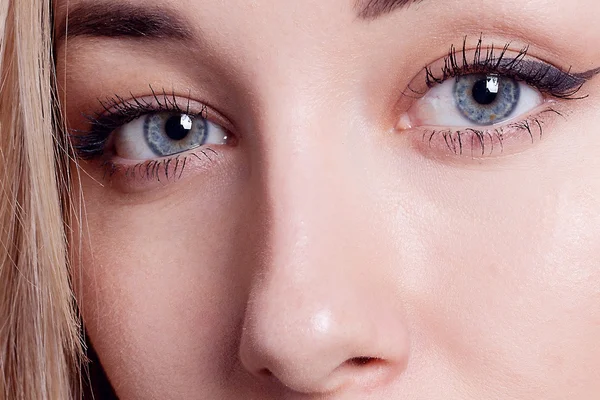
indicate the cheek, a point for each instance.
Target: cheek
{"x":164,"y":284}
{"x":500,"y":266}
{"x":495,"y":264}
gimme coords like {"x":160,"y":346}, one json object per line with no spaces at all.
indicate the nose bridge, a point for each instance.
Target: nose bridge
{"x":313,"y":309}
{"x":312,"y":206}
{"x":300,"y":180}
{"x":308,"y":230}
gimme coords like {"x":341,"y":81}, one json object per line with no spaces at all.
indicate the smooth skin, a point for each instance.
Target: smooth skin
{"x":325,"y":254}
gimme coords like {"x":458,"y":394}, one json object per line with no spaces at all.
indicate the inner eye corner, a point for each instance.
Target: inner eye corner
{"x":403,"y":123}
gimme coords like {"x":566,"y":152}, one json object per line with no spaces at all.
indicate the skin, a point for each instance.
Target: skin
{"x":325,"y":255}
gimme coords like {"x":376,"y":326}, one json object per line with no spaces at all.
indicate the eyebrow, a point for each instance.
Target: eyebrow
{"x":373,"y":9}
{"x":115,"y":19}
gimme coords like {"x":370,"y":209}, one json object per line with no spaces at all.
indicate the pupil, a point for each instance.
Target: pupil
{"x":175,"y":129}
{"x":482,"y":94}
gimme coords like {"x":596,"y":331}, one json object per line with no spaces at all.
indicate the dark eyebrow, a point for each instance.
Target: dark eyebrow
{"x":116,"y":19}
{"x":372,"y":9}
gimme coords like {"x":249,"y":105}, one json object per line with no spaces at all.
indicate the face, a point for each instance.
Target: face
{"x":337,"y":200}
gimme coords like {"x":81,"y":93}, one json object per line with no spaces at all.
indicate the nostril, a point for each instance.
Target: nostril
{"x":265,"y":372}
{"x":364,"y":372}
{"x":363,"y":361}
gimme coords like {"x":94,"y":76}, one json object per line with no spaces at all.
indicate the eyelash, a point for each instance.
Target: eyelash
{"x":91,"y":144}
{"x":117,"y":112}
{"x":544,"y":77}
{"x":455,"y":141}
{"x":169,"y":168}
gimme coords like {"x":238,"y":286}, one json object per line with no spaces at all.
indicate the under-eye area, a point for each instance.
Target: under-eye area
{"x":487,"y":141}
{"x":161,"y":170}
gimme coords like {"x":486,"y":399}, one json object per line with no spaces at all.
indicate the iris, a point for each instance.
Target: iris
{"x":486,"y":99}
{"x":168,"y":134}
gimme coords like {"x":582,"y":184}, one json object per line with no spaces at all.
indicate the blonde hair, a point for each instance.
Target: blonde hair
{"x":39,"y":332}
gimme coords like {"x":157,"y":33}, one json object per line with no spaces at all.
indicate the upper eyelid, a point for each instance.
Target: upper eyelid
{"x":514,"y":63}
{"x":538,"y":73}
{"x":170,"y":101}
{"x":159,"y":101}
{"x":137,"y":106}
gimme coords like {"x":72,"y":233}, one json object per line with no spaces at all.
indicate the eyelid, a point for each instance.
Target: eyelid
{"x":163,"y":102}
{"x":489,"y":143}
{"x":505,"y":61}
{"x":543,"y":76}
{"x":555,"y":82}
{"x":131,"y":176}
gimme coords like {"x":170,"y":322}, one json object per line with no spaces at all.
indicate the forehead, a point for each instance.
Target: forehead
{"x":316,"y":15}
{"x":218,"y":13}
{"x":236,"y":32}
{"x":364,"y":9}
{"x":217,"y":22}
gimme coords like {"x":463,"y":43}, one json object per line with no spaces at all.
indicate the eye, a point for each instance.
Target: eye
{"x":482,"y":101}
{"x":164,"y":134}
{"x":474,"y":100}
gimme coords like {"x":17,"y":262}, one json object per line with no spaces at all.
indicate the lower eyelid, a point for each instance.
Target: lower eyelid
{"x":131,"y":176}
{"x":486,"y":142}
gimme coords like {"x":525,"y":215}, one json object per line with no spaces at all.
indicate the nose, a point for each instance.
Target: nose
{"x":322,"y":315}
{"x":319,"y":345}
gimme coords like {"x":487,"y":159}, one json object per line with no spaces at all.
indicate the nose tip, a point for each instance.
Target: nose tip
{"x":321,"y":355}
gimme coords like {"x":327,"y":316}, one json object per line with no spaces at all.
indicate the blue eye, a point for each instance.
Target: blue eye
{"x":486,"y":99}
{"x":172,"y":134}
{"x":165,"y":134}
{"x":474,"y":101}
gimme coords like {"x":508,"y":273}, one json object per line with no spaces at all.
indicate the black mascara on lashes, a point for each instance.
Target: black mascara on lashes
{"x":543,"y":76}
{"x":91,"y":144}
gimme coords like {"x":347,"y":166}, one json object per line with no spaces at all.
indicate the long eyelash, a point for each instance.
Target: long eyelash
{"x":545,"y":77}
{"x":164,"y":169}
{"x":116,"y":112}
{"x":484,"y":139}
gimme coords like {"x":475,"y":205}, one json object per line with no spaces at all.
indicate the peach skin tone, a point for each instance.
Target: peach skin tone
{"x":336,"y":199}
